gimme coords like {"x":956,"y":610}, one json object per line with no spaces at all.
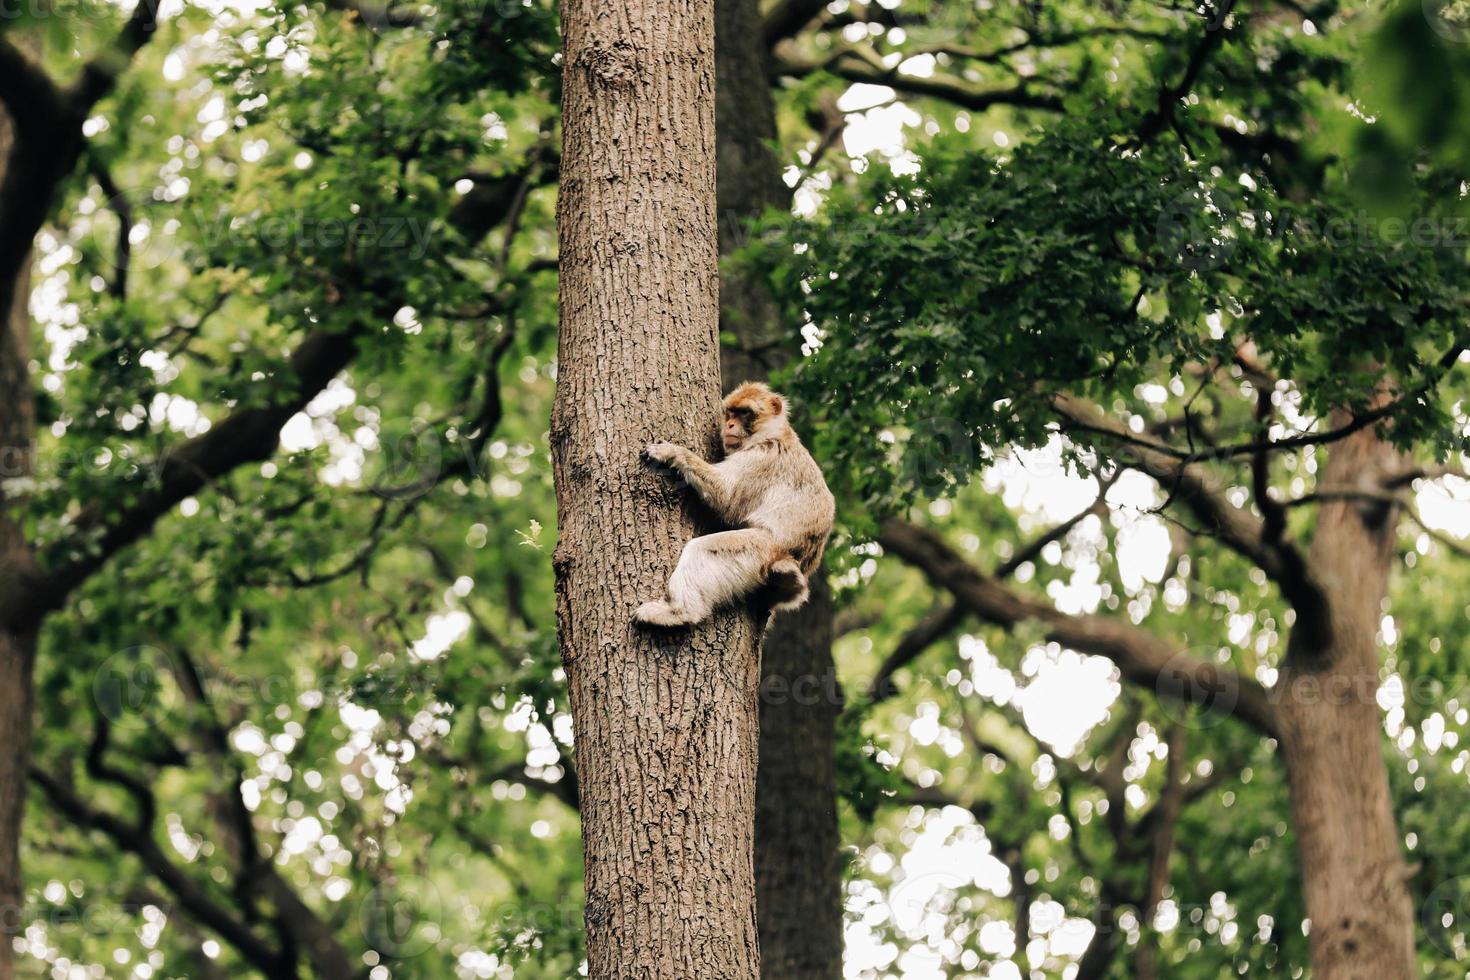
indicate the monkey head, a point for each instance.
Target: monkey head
{"x":752,"y":410}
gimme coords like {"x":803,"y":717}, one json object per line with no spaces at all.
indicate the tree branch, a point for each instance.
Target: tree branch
{"x":101,"y":73}
{"x":197,"y":903}
{"x":857,"y":63}
{"x":1190,"y":485}
{"x":304,"y":928}
{"x":31,"y":97}
{"x":49,"y":124}
{"x":1356,"y":423}
{"x":786,"y":18}
{"x":1142,"y":657}
{"x":493,"y":197}
{"x":248,"y":435}
{"x":938,"y":623}
{"x":1171,"y":95}
{"x":943,"y":620}
{"x":123,"y":249}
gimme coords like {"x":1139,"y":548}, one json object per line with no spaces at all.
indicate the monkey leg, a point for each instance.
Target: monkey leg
{"x":713,"y":570}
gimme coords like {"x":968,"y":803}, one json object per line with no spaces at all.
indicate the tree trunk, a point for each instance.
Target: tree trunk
{"x":17,"y":634}
{"x":798,"y":867}
{"x":666,"y":726}
{"x":749,"y":179}
{"x":17,"y":660}
{"x":1354,"y":876}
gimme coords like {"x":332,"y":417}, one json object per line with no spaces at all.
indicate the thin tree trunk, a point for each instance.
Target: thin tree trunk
{"x":1354,"y":875}
{"x":17,"y":661}
{"x":666,"y":725}
{"x":749,"y":178}
{"x":798,"y":866}
{"x":1097,"y":958}
{"x":17,"y":634}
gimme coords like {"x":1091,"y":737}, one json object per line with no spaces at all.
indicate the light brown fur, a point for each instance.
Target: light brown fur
{"x":769,"y":487}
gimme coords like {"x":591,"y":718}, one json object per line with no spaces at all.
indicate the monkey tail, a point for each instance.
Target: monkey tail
{"x":785,"y":586}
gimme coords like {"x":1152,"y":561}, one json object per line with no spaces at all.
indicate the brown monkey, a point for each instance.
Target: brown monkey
{"x":767,"y":485}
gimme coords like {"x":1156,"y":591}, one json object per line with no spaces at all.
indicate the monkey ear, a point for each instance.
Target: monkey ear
{"x":778,"y":405}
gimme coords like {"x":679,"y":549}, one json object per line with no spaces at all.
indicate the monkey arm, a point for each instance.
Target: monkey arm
{"x":707,"y":479}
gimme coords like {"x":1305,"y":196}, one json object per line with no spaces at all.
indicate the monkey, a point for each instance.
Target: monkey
{"x":771,"y":490}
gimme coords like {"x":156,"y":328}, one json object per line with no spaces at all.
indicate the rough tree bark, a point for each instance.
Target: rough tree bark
{"x":1353,"y":872}
{"x":666,"y":725}
{"x":17,"y":638}
{"x":798,"y":867}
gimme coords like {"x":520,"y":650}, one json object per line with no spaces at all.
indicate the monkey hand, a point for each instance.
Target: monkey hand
{"x":665,"y":453}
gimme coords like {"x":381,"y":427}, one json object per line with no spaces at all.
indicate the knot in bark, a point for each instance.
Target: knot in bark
{"x":610,"y":65}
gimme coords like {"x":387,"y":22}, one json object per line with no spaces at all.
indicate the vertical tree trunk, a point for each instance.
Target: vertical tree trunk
{"x":17,"y":634}
{"x":749,"y":182}
{"x":666,"y":726}
{"x":798,"y":867}
{"x":1354,"y":876}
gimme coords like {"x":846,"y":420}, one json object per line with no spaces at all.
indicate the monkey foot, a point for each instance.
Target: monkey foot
{"x":661,"y":613}
{"x":785,"y":585}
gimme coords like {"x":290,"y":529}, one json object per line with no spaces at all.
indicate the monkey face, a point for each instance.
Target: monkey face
{"x":747,"y":408}
{"x":739,"y":425}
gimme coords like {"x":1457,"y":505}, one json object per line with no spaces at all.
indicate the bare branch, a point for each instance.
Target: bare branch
{"x":1356,"y":422}
{"x":786,"y":18}
{"x":101,"y":73}
{"x":1165,"y":822}
{"x":1171,"y":95}
{"x":199,"y":904}
{"x":49,"y":123}
{"x":1273,"y":528}
{"x":938,"y":623}
{"x":493,"y":197}
{"x":860,"y":63}
{"x":1032,"y":551}
{"x":123,"y":250}
{"x":1194,"y":488}
{"x":32,"y":98}
{"x":249,"y":435}
{"x":1388,"y":497}
{"x":1141,"y":656}
{"x":305,"y":929}
{"x":852,"y":620}
{"x":943,"y":620}
{"x":1438,"y":472}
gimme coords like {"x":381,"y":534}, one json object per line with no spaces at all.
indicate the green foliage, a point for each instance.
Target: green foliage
{"x":299,"y":168}
{"x":955,"y":304}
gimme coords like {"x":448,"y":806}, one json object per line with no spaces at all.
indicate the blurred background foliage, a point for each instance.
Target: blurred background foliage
{"x":360,"y":634}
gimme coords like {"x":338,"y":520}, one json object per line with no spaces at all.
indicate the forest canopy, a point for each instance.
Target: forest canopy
{"x":1130,"y":337}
